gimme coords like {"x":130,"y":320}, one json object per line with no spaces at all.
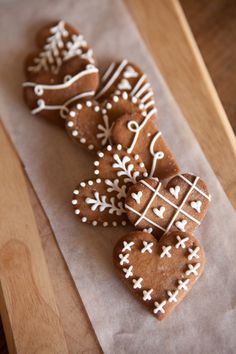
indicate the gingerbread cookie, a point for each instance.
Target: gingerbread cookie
{"x":59,"y":72}
{"x":159,"y":274}
{"x":101,"y":201}
{"x":181,"y":205}
{"x":89,"y":122}
{"x":125,"y":76}
{"x":140,"y":135}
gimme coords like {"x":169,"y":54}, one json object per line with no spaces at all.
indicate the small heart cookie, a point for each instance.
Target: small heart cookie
{"x":89,"y":122}
{"x":159,"y":274}
{"x":125,"y":76}
{"x":59,"y":72}
{"x":101,"y":201}
{"x":181,"y":205}
{"x":140,"y":135}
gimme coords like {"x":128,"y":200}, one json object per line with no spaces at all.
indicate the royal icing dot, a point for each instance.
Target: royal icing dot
{"x":89,"y":104}
{"x":96,"y":172}
{"x":96,"y":108}
{"x":75,"y":133}
{"x":77,"y":211}
{"x":119,"y":147}
{"x":96,"y":163}
{"x":105,"y":224}
{"x":90,"y":183}
{"x":83,"y":140}
{"x":94,"y":223}
{"x":98,"y":180}
{"x":115,"y":98}
{"x":70,"y":124}
{"x":123,"y":223}
{"x":72,"y":113}
{"x":76,"y":191}
{"x":108,"y":105}
{"x":100,"y":154}
{"x":104,"y":111}
{"x":79,"y":106}
{"x":84,"y":219}
{"x":91,"y":147}
{"x":114,"y":223}
{"x":74,"y":202}
{"x":83,"y":184}
{"x":109,"y":147}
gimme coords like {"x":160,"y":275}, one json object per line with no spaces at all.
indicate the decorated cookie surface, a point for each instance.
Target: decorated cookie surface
{"x":125,"y":76}
{"x":89,"y":122}
{"x":160,"y":274}
{"x":140,"y":135}
{"x":59,"y":72}
{"x":101,"y":201}
{"x":180,"y":206}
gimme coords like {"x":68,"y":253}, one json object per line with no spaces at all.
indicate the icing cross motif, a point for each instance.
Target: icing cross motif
{"x":171,"y":214}
{"x":147,"y":247}
{"x":124,"y":259}
{"x":193,"y":253}
{"x":181,"y":241}
{"x":159,"y":285}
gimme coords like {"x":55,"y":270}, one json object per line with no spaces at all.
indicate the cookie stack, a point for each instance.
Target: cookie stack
{"x":115,"y":116}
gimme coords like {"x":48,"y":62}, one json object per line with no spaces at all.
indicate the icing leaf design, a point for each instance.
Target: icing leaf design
{"x":114,"y":187}
{"x":102,"y":202}
{"x":74,"y":48}
{"x":125,"y":168}
{"x":50,"y":55}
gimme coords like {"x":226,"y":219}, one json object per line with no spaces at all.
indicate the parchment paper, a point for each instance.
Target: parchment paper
{"x":206,"y":321}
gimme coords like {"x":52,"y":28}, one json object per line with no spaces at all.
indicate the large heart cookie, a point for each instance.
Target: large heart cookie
{"x":125,"y":76}
{"x":181,"y":205}
{"x":101,"y":201}
{"x":140,"y":135}
{"x":59,"y":72}
{"x":160,"y":274}
{"x":89,"y":122}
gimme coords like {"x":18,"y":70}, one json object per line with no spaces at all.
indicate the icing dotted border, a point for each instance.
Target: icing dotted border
{"x":137,"y":283}
{"x":99,"y":202}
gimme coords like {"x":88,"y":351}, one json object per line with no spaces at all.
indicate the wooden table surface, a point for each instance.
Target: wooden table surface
{"x":214,"y":30}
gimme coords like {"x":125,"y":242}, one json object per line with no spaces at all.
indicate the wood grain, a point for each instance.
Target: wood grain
{"x":214,"y":27}
{"x":167,"y":34}
{"x":28,"y":308}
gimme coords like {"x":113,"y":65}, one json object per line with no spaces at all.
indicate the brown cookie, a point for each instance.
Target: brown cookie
{"x":59,"y":72}
{"x":125,"y":76}
{"x":181,"y":205}
{"x":140,"y":135}
{"x":101,"y":201}
{"x":159,"y":274}
{"x":89,"y":122}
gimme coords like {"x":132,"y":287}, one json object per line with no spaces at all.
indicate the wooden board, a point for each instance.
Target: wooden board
{"x":27,"y":304}
{"x":79,"y":334}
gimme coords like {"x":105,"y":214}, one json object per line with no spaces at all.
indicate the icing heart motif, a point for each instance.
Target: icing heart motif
{"x":196,"y":205}
{"x":125,"y":76}
{"x":179,"y":215}
{"x":175,"y":191}
{"x":59,"y":72}
{"x":159,"y":274}
{"x":137,"y":196}
{"x":159,"y":212}
{"x":139,"y":134}
{"x":89,"y":122}
{"x":101,"y":201}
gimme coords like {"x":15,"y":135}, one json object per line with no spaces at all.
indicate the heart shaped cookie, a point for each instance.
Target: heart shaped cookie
{"x":59,"y":72}
{"x":125,"y":76}
{"x":159,"y":274}
{"x":181,"y":205}
{"x":101,"y":201}
{"x":89,"y":122}
{"x":140,"y":135}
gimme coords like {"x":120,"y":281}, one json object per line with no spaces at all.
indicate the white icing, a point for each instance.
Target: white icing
{"x":40,"y":88}
{"x":181,"y":242}
{"x":159,"y":307}
{"x":142,"y":90}
{"x":112,"y":78}
{"x":130,"y":72}
{"x":159,"y":212}
{"x":193,"y":253}
{"x":128,"y":272}
{"x":137,"y":196}
{"x":183,"y":284}
{"x":147,"y":295}
{"x":147,"y":96}
{"x":135,"y":128}
{"x":172,"y":296}
{"x":124,"y":85}
{"x":105,"y":130}
{"x":127,"y":246}
{"x":125,"y":168}
{"x":114,"y":187}
{"x":175,"y":191}
{"x":158,"y":155}
{"x":138,"y":85}
{"x":137,"y":283}
{"x":147,"y":247}
{"x":181,"y":224}
{"x":195,"y":187}
{"x":149,"y":230}
{"x":192,"y":269}
{"x":100,"y":202}
{"x":124,"y":258}
{"x":196,"y":205}
{"x":166,"y":252}
{"x":108,"y":72}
